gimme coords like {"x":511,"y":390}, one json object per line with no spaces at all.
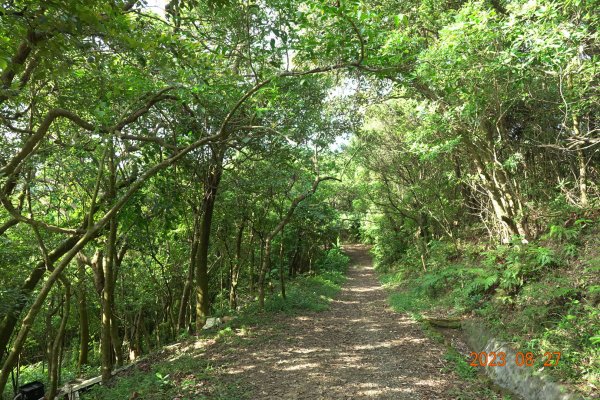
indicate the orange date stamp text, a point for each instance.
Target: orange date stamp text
{"x":498,"y":359}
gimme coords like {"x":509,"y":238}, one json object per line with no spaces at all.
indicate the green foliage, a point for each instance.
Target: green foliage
{"x":458,"y":363}
{"x":184,"y":376}
{"x":563,"y":234}
{"x":334,"y":260}
{"x":525,"y":291}
{"x":187,"y":376}
{"x":409,"y":302}
{"x":163,"y":380}
{"x":312,"y":293}
{"x":543,"y":256}
{"x":471,"y":121}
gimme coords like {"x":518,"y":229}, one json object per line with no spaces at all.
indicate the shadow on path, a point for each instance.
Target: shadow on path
{"x":359,"y":348}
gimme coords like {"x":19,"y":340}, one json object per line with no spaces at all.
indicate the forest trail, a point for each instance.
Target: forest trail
{"x":359,"y":348}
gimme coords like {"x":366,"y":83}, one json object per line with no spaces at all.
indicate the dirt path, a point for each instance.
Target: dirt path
{"x":357,"y":349}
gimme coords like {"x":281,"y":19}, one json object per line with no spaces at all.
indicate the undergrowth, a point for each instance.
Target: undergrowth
{"x":189,"y":377}
{"x":310,"y":292}
{"x":476,"y":386}
{"x":186,"y":377}
{"x":541,"y":296}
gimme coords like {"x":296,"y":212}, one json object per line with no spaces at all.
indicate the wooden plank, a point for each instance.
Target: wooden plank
{"x":71,"y":389}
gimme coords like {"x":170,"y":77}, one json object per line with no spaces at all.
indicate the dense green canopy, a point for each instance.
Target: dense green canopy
{"x":160,"y":168}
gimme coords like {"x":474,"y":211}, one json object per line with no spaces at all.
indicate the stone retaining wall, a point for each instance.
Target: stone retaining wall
{"x":525,"y":381}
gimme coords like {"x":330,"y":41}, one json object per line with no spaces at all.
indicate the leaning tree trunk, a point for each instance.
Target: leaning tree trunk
{"x":495,"y":180}
{"x":502,"y":202}
{"x":7,"y":327}
{"x":54,"y":361}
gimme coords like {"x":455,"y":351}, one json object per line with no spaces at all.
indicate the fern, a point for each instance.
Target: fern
{"x":543,"y":256}
{"x":563,"y":234}
{"x":490,"y":281}
{"x":570,"y":250}
{"x":512,"y":277}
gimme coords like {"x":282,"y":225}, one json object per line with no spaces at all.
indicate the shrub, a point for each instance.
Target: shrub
{"x":333,"y":260}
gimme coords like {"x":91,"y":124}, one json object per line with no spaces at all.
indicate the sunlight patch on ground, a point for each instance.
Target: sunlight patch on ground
{"x":417,"y":340}
{"x":183,"y":348}
{"x":241,"y":369}
{"x":388,"y":344}
{"x":432,"y":383}
{"x":175,"y":357}
{"x":307,"y":351}
{"x":363,"y":289}
{"x":373,"y":390}
{"x":346,"y":301}
{"x":301,"y":366}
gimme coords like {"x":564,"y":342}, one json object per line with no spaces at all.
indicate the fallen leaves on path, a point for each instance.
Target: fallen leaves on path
{"x":357,"y":349}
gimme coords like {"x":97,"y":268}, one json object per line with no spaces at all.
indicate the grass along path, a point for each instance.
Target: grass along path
{"x":357,"y":349}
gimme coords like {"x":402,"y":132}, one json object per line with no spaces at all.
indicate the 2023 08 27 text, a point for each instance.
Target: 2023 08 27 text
{"x":498,"y":359}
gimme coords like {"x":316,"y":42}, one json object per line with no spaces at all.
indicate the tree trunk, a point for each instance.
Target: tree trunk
{"x":281,"y":272}
{"x":10,"y":320}
{"x":108,"y":336}
{"x":54,"y":361}
{"x":582,"y":178}
{"x":137,"y":348}
{"x":294,"y":260}
{"x":265,"y":267}
{"x":201,"y":270}
{"x":583,"y":197}
{"x":252,"y":261}
{"x":189,"y":282}
{"x":50,"y":313}
{"x":116,"y":339}
{"x":502,"y":192}
{"x":105,"y":345}
{"x":237,"y":266}
{"x":501,"y":201}
{"x":84,"y":325}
